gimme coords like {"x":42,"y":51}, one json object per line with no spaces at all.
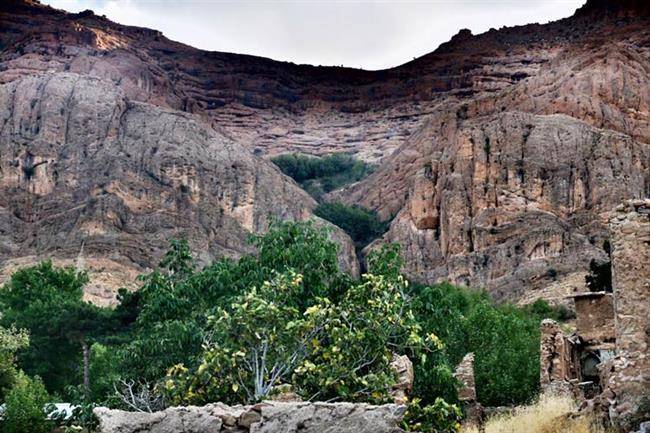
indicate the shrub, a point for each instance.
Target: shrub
{"x":504,"y":339}
{"x":81,"y":420}
{"x":318,"y":175}
{"x":439,"y":417}
{"x":48,"y":302}
{"x":24,"y":411}
{"x":543,"y":310}
{"x":11,"y":341}
{"x":362,"y":225}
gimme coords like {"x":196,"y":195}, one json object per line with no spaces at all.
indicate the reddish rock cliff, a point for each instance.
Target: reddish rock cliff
{"x":500,"y":154}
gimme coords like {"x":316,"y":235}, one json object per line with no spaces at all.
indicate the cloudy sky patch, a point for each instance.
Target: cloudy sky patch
{"x":361,"y":34}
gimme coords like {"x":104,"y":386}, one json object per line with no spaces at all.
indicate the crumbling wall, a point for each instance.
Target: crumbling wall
{"x":403,"y":368}
{"x":595,"y":317}
{"x":465,"y":375}
{"x":272,"y":417}
{"x":628,"y":389}
{"x":558,"y":364}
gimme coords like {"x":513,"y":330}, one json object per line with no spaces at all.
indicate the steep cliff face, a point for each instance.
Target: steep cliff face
{"x":513,"y":201}
{"x":511,"y":190}
{"x":88,"y":174}
{"x":499,"y":155}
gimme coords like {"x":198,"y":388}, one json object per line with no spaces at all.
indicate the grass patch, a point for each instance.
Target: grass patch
{"x":550,"y":414}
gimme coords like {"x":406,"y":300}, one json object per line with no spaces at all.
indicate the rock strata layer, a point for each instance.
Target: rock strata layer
{"x":500,"y":155}
{"x":93,"y":178}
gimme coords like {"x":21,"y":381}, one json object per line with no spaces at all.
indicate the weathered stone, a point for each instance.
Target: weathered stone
{"x":172,"y":420}
{"x":558,"y":359}
{"x":644,"y":427}
{"x":628,"y":384}
{"x":465,"y":374}
{"x":608,"y":354}
{"x":268,"y":418}
{"x":88,"y":170}
{"x":595,"y":317}
{"x":474,"y":411}
{"x":403,"y":368}
{"x":248,"y":418}
{"x":500,"y":154}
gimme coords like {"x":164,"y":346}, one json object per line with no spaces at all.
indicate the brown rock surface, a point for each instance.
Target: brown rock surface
{"x":85,"y":167}
{"x":402,"y":366}
{"x":500,"y":154}
{"x":559,"y":362}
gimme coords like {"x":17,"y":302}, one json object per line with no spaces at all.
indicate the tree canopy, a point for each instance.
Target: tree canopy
{"x":284,"y":318}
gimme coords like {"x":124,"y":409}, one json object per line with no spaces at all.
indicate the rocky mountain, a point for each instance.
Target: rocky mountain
{"x":500,"y":155}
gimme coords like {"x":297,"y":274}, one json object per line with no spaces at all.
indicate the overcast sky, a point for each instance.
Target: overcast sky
{"x":361,"y":34}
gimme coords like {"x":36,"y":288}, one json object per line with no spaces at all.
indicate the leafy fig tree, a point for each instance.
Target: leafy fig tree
{"x":272,"y":335}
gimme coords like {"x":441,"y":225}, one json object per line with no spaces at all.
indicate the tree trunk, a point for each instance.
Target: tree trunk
{"x":86,"y":355}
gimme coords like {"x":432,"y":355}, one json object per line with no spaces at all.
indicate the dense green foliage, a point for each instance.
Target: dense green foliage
{"x":319,"y":175}
{"x":439,"y":417}
{"x":25,"y":408}
{"x":362,"y":225}
{"x":268,"y":337}
{"x":285,"y":318}
{"x":47,"y":302}
{"x":173,"y":306}
{"x":11,"y":341}
{"x":504,"y":339}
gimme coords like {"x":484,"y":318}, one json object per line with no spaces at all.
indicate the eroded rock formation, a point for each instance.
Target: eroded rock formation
{"x":86,"y":169}
{"x":500,"y":155}
{"x":273,"y":417}
{"x":403,"y":368}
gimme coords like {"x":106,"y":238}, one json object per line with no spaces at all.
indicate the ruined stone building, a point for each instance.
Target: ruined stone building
{"x":606,"y":360}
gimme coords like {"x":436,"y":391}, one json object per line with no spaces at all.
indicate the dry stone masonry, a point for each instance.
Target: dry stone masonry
{"x":272,"y":417}
{"x":628,"y":387}
{"x":606,"y":361}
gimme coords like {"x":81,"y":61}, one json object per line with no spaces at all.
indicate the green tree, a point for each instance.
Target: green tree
{"x":269,"y":336}
{"x":169,"y":314}
{"x":256,"y":344}
{"x":48,"y":303}
{"x":11,"y":341}
{"x":319,"y":175}
{"x":504,"y":339}
{"x":361,"y":333}
{"x":362,"y":225}
{"x":505,"y":342}
{"x":25,"y":408}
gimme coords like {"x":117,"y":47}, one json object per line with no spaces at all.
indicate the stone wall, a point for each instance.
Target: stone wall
{"x":465,"y":375}
{"x":619,"y":321}
{"x":558,"y":359}
{"x":272,"y":417}
{"x":595,"y":317}
{"x":628,"y":390}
